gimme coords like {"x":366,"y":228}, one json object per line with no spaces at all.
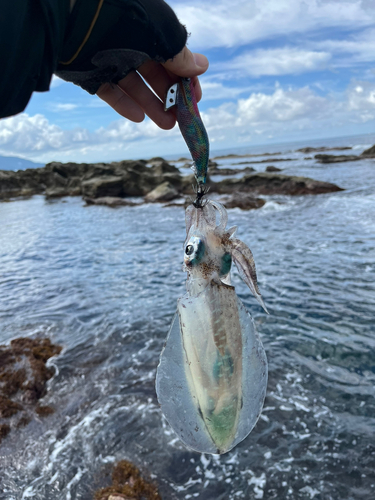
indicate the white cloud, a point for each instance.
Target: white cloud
{"x":216,"y":90}
{"x":279,"y":61}
{"x":35,"y":137}
{"x":361,"y":101}
{"x":239,"y":22}
{"x":288,"y":111}
{"x":61,"y":107}
{"x":258,"y":116}
{"x":281,"y":106}
{"x":351,"y":50}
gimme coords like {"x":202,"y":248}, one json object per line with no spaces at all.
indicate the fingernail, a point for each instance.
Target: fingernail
{"x":200,"y":60}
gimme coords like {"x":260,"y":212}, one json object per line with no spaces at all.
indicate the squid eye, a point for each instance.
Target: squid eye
{"x":189,"y":249}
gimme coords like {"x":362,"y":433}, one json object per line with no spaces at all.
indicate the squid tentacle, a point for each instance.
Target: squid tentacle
{"x":244,"y":260}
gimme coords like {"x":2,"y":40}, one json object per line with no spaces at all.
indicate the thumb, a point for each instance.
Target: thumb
{"x":187,"y":64}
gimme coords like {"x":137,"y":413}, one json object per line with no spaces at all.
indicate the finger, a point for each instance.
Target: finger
{"x":135,"y":88}
{"x":197,"y":88}
{"x":187,"y":64}
{"x":121,"y":102}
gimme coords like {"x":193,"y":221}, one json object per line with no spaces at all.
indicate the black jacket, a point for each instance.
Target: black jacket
{"x":99,"y":41}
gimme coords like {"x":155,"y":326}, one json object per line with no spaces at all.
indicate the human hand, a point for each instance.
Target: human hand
{"x":133,"y":99}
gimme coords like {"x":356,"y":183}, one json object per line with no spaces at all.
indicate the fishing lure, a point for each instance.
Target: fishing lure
{"x":182,"y":96}
{"x":212,"y":377}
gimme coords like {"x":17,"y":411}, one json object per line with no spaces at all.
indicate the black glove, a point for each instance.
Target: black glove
{"x":126,"y":33}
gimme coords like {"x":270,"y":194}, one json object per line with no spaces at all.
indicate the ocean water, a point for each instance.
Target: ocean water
{"x":104,"y":283}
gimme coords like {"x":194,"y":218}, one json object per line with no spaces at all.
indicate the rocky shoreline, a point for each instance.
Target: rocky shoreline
{"x":154,"y":180}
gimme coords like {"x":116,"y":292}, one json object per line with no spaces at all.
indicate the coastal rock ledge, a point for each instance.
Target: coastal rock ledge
{"x":272,"y":183}
{"x":156,"y":181}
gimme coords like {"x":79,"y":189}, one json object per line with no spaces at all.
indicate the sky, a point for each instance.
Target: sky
{"x":280,"y":71}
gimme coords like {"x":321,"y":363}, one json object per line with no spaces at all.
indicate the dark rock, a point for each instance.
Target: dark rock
{"x":322,"y":148}
{"x":98,"y":187}
{"x":139,"y":184}
{"x":122,"y":167}
{"x":269,"y":183}
{"x":164,"y":192}
{"x":275,"y":159}
{"x":162,"y":167}
{"x":369,"y":152}
{"x":56,"y":192}
{"x":187,"y":164}
{"x":245,"y":201}
{"x":21,"y":183}
{"x":232,"y":171}
{"x":156,"y":159}
{"x":118,"y":179}
{"x":266,"y":160}
{"x":271,"y":168}
{"x":225,"y":157}
{"x":336,"y":158}
{"x":110,"y":201}
{"x":212,"y":164}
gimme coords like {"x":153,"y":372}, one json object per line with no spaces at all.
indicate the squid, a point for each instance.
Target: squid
{"x":212,"y":377}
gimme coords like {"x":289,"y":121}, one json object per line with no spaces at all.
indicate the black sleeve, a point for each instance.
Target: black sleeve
{"x":100,"y":41}
{"x":31,"y":38}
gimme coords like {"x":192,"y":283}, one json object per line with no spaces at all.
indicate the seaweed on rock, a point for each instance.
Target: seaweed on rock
{"x":23,"y":378}
{"x":127,"y":483}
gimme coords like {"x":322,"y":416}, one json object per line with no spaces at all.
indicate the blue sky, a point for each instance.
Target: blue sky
{"x":280,"y":70}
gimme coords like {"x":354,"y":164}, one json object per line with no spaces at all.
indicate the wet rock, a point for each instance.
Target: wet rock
{"x":162,"y":167}
{"x":56,"y":192}
{"x":212,"y":164}
{"x":21,"y":183}
{"x":244,"y":201}
{"x":273,"y":183}
{"x":322,"y":148}
{"x":164,"y":192}
{"x":156,"y":159}
{"x":110,"y":201}
{"x":120,"y":179}
{"x":232,"y":171}
{"x":265,"y":160}
{"x":369,"y":152}
{"x":98,"y":187}
{"x":336,"y":158}
{"x":225,"y":157}
{"x":23,"y":378}
{"x":271,"y":168}
{"x":127,"y":483}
